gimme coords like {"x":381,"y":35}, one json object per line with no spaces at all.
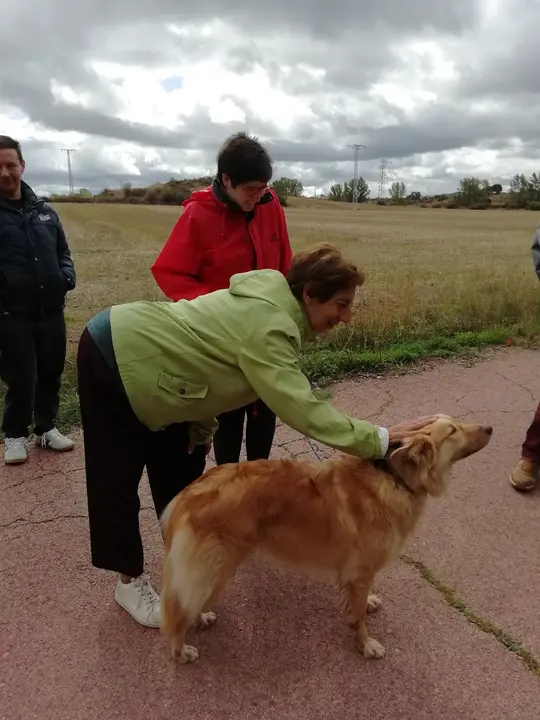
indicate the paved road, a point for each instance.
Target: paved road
{"x":281,"y":649}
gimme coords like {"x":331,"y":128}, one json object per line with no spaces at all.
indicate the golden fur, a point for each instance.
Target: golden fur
{"x":345,"y":516}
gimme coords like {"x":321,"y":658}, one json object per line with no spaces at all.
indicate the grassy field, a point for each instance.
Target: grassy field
{"x":438,"y":280}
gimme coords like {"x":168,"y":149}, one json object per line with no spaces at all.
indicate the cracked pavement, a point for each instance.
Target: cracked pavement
{"x":281,"y":647}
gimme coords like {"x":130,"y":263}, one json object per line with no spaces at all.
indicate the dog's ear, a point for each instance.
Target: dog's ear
{"x":414,"y":462}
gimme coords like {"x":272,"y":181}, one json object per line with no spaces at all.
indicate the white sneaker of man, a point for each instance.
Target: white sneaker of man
{"x":140,"y":600}
{"x":54,"y":440}
{"x":15,"y":450}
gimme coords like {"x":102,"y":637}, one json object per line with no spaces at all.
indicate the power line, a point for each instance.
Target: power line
{"x":382,"y":177}
{"x":356,"y":149}
{"x":68,"y":152}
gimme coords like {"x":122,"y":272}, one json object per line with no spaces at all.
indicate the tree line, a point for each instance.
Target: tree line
{"x":473,"y":192}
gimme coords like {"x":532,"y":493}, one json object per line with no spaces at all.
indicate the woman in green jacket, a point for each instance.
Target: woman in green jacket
{"x":153,"y":376}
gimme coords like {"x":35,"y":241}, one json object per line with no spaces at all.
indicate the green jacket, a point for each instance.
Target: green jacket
{"x":190,"y":361}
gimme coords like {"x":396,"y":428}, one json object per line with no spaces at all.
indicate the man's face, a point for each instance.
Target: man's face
{"x":246,"y":195}
{"x":11,"y":170}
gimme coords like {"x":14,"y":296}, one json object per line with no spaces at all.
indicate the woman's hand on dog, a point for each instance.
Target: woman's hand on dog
{"x":398,"y":433}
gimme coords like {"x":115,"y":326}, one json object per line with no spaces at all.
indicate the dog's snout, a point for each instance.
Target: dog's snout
{"x":488,"y":430}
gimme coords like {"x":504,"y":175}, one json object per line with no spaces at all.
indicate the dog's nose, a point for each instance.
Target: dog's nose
{"x":488,"y":430}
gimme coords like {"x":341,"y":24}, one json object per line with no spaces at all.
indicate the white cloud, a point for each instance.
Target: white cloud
{"x":431,"y":87}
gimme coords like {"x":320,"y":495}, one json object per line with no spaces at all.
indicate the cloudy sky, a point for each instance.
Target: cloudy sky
{"x":148,"y":90}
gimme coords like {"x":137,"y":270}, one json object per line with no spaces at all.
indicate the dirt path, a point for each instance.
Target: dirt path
{"x":281,"y":648}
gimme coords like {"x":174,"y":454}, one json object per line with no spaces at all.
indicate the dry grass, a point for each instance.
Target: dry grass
{"x":430,"y":272}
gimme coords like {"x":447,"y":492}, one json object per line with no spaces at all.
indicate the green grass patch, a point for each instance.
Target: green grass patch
{"x":324,"y":362}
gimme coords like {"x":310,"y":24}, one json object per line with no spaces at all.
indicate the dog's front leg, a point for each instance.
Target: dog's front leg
{"x":357,"y":595}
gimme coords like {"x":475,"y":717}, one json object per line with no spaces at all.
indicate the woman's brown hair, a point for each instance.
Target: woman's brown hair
{"x":322,"y":272}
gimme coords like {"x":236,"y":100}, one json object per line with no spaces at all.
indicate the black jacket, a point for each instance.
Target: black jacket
{"x":36,"y":269}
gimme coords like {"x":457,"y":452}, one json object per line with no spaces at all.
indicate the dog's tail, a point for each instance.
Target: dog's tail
{"x":196,"y":567}
{"x":165,"y":517}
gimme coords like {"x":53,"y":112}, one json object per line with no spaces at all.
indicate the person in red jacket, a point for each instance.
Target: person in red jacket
{"x":235,"y":225}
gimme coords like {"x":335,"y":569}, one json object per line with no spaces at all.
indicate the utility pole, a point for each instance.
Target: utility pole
{"x":68,"y":152}
{"x":382,"y":177}
{"x":356,"y":148}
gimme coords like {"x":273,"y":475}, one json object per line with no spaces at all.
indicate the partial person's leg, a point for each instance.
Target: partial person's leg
{"x":115,"y":445}
{"x":170,"y":467}
{"x":260,"y":431}
{"x":526,"y":472}
{"x":51,"y":357}
{"x":228,"y":438}
{"x":18,"y":372}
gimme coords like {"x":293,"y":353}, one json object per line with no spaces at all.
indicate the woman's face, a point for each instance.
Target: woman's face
{"x":323,"y":316}
{"x":246,"y":195}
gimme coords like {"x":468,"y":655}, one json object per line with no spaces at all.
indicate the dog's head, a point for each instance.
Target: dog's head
{"x":424,"y":460}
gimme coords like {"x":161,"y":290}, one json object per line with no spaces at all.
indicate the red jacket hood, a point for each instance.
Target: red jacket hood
{"x":207,"y":195}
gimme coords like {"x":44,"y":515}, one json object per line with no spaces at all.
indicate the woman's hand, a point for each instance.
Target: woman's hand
{"x":207,"y":447}
{"x":398,"y":433}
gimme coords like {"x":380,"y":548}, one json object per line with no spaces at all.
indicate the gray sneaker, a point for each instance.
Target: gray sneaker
{"x":54,"y":440}
{"x":15,"y":450}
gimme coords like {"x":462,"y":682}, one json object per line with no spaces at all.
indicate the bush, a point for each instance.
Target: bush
{"x":71,"y":199}
{"x":533,"y":205}
{"x":480,"y":206}
{"x":424,"y":205}
{"x":452,"y":205}
{"x":381,"y":202}
{"x":169,"y":197}
{"x":436,"y":205}
{"x":152,"y":197}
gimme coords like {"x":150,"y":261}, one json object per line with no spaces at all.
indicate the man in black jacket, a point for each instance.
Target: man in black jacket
{"x":36,"y":272}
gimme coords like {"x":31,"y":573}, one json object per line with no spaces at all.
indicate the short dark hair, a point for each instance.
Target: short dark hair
{"x":8,"y":143}
{"x":244,"y":160}
{"x":322,"y":272}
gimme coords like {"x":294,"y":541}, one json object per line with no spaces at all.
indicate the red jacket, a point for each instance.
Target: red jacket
{"x":214,"y":239}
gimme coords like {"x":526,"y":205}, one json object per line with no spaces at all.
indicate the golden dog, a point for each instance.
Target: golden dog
{"x":344,"y":516}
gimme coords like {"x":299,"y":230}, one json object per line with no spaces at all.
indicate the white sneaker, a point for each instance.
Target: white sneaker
{"x":54,"y":440}
{"x":140,"y":600}
{"x":15,"y":450}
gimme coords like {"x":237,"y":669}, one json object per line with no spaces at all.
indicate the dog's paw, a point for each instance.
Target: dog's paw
{"x":187,"y":654}
{"x":206,"y":619}
{"x":374,"y":603}
{"x":373,"y":649}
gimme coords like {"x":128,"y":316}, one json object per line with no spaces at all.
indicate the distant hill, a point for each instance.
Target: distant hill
{"x":173,"y":192}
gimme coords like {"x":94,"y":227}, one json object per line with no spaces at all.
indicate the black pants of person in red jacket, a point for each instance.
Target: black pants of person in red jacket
{"x":260,"y":424}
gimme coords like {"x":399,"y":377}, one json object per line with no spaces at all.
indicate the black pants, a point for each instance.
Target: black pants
{"x":32,"y":357}
{"x":117,"y":448}
{"x":260,"y":430}
{"x":531,"y":445}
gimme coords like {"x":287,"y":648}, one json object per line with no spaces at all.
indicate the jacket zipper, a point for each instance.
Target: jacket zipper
{"x":34,"y":252}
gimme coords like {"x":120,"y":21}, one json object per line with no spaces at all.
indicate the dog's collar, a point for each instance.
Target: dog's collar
{"x":383,"y":465}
